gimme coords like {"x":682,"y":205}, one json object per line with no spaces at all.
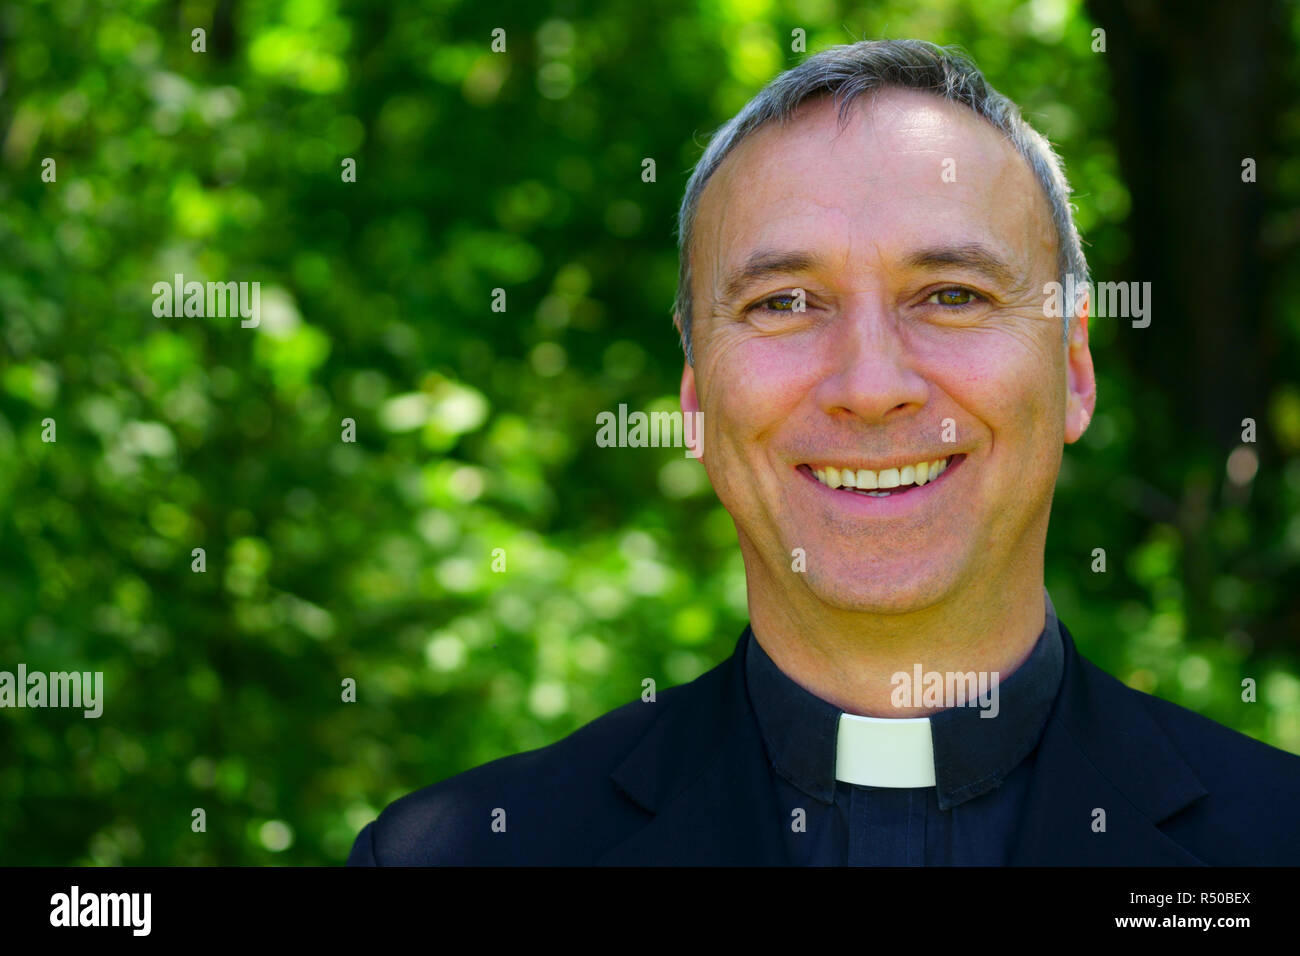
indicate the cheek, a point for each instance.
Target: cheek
{"x":998,"y":369}
{"x":754,"y":385}
{"x":1015,"y":393}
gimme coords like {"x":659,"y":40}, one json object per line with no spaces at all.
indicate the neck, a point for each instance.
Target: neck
{"x":848,"y":657}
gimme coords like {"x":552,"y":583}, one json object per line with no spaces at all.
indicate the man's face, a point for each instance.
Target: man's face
{"x":922,"y":242}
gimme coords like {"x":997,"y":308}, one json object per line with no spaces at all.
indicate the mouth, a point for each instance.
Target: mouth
{"x":885,"y":482}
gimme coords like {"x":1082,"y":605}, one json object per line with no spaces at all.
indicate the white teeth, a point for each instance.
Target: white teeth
{"x":863,"y":479}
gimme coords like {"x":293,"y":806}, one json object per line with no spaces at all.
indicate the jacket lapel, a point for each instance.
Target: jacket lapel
{"x":1102,"y":750}
{"x":702,"y":771}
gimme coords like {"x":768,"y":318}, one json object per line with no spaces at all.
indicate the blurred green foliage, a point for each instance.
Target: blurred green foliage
{"x":327,"y":560}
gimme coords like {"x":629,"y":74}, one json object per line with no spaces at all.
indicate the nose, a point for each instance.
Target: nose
{"x":872,"y":373}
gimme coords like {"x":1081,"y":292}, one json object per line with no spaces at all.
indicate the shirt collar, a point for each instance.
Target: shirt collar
{"x":972,"y":754}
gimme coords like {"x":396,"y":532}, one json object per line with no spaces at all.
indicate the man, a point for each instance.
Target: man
{"x":866,"y":250}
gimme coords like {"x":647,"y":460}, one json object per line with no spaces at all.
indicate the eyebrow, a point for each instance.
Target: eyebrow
{"x":764,"y":263}
{"x":970,"y":255}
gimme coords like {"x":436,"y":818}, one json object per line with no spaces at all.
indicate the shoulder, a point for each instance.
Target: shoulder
{"x":1219,"y":754}
{"x":556,"y":804}
{"x":1248,"y":814}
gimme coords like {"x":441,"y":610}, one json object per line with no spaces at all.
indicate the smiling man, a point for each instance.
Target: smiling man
{"x":866,"y":252}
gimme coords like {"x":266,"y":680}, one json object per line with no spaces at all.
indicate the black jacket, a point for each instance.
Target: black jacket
{"x":685,"y":781}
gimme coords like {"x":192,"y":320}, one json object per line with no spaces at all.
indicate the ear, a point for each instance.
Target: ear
{"x":690,"y":398}
{"x":690,"y":401}
{"x":1080,"y":381}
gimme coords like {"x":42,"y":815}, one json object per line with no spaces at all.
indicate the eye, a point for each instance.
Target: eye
{"x":955,"y":298}
{"x":781,"y":302}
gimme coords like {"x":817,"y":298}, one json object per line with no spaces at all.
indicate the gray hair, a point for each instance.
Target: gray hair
{"x":846,"y":72}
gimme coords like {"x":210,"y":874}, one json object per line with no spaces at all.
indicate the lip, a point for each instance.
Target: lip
{"x":915,"y":500}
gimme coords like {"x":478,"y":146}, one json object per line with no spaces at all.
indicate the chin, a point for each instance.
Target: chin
{"x":879,"y":594}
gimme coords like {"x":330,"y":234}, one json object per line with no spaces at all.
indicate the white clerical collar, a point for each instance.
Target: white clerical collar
{"x":884,"y":751}
{"x":815,"y":746}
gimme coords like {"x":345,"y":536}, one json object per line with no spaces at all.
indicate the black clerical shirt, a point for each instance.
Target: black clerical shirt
{"x":982,"y":771}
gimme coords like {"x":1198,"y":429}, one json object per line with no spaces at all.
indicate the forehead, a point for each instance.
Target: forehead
{"x":909,"y":169}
